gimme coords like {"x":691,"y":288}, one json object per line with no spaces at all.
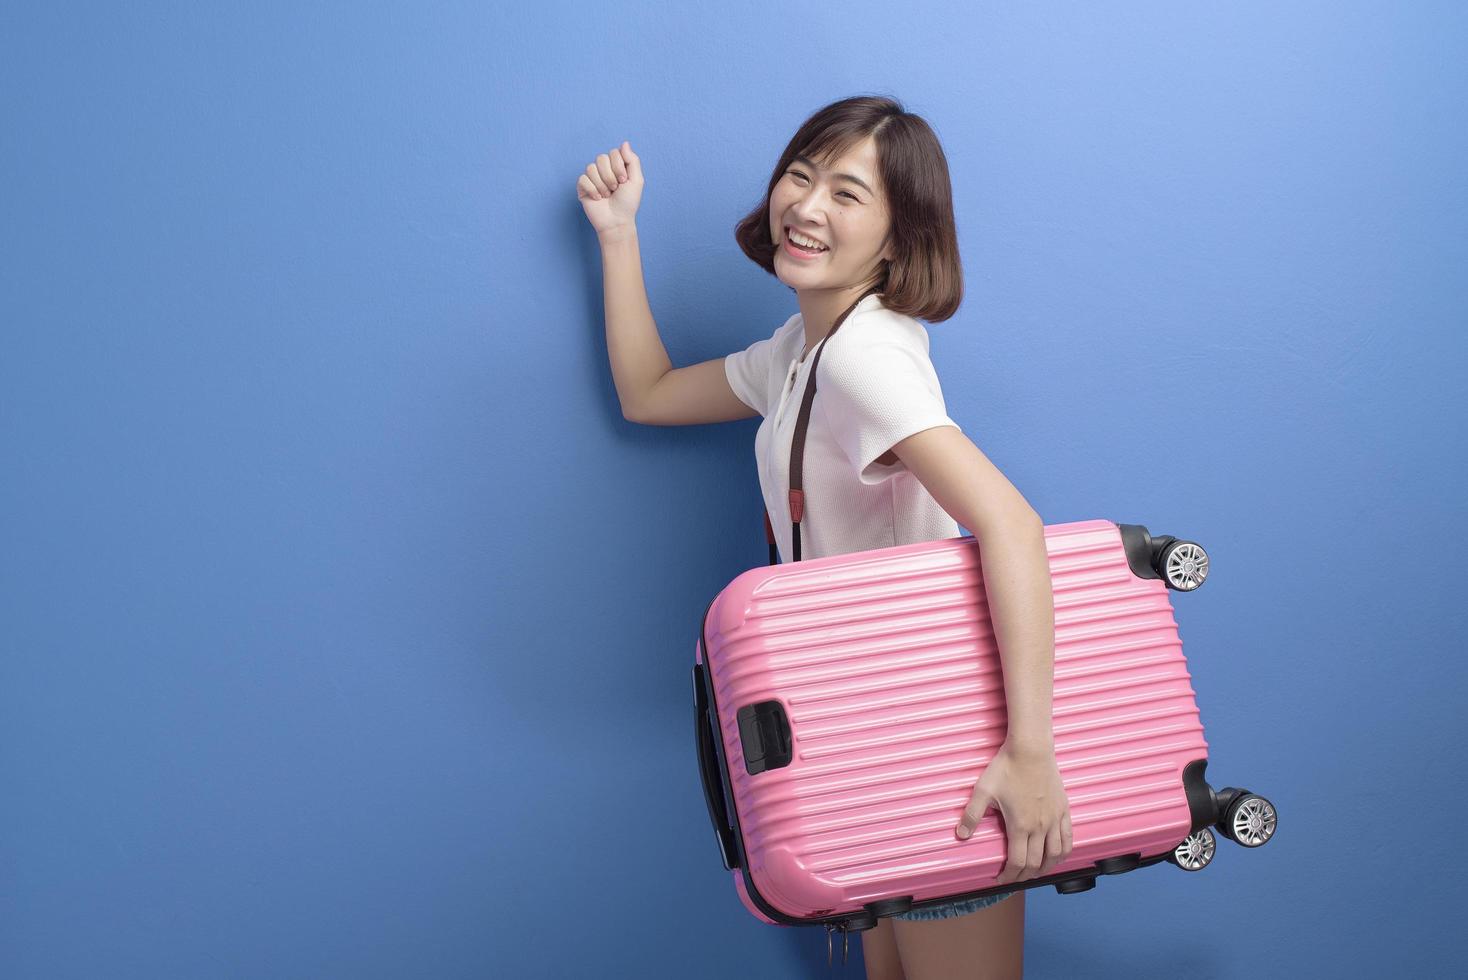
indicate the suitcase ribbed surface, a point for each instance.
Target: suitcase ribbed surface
{"x":888,"y":670}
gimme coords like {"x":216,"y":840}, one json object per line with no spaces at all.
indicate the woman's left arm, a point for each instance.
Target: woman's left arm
{"x":1023,"y":779}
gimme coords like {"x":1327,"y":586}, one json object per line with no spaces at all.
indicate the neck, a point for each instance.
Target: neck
{"x":819,"y":309}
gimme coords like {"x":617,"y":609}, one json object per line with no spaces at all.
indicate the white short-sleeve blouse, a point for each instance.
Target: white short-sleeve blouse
{"x":876,"y":387}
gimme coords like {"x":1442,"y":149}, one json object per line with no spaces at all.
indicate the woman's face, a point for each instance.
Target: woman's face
{"x":849,"y":217}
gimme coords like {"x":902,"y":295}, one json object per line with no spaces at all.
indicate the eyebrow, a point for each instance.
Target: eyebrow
{"x":811,"y":163}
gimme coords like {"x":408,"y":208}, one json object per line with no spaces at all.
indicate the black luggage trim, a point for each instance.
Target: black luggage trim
{"x":708,"y":763}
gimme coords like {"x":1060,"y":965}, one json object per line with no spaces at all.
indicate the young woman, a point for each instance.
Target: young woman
{"x":859,"y":211}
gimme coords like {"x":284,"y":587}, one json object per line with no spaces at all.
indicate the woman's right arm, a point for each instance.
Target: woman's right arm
{"x":650,"y":389}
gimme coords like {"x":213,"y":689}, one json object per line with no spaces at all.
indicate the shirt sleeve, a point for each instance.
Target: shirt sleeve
{"x":748,"y":372}
{"x":877,"y":388}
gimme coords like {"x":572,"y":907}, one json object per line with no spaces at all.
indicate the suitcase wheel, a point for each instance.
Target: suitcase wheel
{"x":890,"y":906}
{"x":1196,"y":850}
{"x":1072,"y":885}
{"x":1250,"y":820}
{"x":1183,"y":565}
{"x":1116,"y":865}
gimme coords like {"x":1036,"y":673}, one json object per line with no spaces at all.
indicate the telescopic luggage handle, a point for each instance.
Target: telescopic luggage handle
{"x":708,"y":771}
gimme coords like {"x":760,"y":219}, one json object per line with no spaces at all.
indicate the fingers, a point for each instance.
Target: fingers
{"x":1054,"y":851}
{"x":609,"y":171}
{"x":1015,"y":866}
{"x":604,"y":169}
{"x":1058,"y":843}
{"x":593,"y":170}
{"x":585,"y":188}
{"x":978,"y":802}
{"x":1035,"y":854}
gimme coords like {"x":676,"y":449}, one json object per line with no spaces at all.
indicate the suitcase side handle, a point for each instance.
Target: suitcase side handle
{"x":708,"y":771}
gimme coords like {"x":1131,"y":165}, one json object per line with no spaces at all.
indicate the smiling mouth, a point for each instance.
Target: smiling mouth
{"x":801,"y":249}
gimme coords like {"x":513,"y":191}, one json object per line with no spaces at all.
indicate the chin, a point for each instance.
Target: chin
{"x":805,"y":282}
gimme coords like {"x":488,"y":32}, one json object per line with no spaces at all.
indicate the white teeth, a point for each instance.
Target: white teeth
{"x":800,"y":239}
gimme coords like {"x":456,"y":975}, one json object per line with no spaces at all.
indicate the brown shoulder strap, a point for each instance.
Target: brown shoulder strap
{"x":797,"y":443}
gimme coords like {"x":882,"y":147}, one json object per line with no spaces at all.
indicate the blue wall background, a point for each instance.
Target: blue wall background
{"x":347,"y":624}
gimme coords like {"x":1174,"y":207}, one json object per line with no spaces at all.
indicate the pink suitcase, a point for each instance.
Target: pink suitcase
{"x":845,"y":706}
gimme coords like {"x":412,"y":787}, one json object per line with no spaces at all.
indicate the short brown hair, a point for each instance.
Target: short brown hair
{"x":925,"y":279}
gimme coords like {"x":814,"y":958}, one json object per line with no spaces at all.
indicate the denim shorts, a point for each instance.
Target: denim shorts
{"x":953,"y":909}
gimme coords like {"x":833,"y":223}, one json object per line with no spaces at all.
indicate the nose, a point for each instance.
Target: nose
{"x":806,"y":209}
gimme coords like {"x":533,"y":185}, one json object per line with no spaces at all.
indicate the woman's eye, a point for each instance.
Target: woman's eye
{"x":797,"y":173}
